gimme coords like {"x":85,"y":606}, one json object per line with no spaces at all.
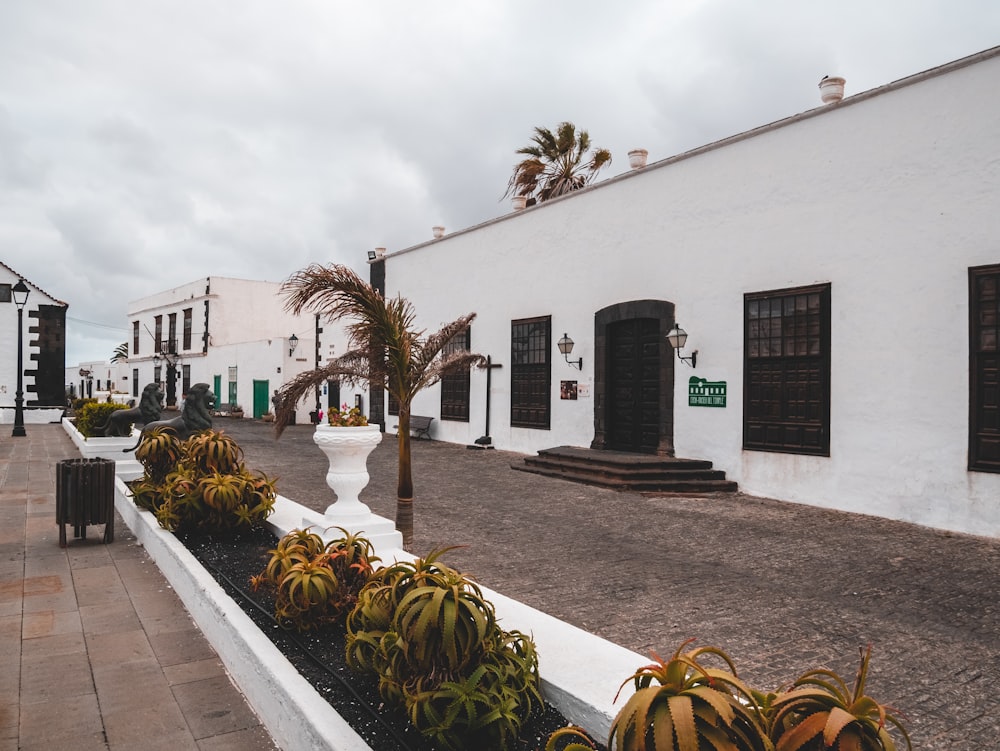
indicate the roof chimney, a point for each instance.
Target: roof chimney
{"x":831,"y":89}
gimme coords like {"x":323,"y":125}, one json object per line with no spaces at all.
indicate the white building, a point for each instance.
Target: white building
{"x":838,"y":273}
{"x":232,"y":334}
{"x":97,"y":378}
{"x":43,"y":349}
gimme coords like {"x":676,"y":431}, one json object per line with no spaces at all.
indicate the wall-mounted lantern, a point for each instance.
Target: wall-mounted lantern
{"x":566,"y":348}
{"x":293,"y":342}
{"x":678,"y":338}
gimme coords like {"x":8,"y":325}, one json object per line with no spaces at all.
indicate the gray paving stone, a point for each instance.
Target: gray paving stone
{"x":213,"y":707}
{"x":77,"y":669}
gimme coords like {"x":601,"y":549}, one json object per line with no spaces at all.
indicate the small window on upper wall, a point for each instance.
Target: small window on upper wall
{"x":187,"y":329}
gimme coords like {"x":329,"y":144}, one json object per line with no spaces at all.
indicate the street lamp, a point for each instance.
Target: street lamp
{"x":20,"y":292}
{"x":172,"y":359}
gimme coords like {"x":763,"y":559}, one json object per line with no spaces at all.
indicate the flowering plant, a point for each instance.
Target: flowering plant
{"x":347,"y":418}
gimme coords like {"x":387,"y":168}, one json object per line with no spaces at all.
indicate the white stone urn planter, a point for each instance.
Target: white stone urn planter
{"x":637,"y":158}
{"x":347,"y":450}
{"x":519,"y":202}
{"x":831,"y":89}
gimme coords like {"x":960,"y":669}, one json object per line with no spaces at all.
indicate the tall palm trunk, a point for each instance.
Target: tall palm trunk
{"x":404,"y":481}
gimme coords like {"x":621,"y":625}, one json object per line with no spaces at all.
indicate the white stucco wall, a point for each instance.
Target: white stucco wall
{"x":890,"y":197}
{"x":8,"y":339}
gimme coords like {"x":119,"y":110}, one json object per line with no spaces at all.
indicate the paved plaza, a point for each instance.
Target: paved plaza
{"x":781,"y":587}
{"x":97,"y":651}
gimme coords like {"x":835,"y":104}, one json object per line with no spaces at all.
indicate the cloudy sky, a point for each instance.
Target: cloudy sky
{"x":147,"y":143}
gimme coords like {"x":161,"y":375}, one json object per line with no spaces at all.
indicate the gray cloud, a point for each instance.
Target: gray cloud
{"x":144,"y":145}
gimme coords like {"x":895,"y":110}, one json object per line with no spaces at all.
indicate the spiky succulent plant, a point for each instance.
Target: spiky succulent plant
{"x":820,"y":712}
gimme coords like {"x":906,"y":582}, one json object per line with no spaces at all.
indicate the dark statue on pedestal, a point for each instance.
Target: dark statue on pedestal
{"x":120,"y":422}
{"x":195,"y":417}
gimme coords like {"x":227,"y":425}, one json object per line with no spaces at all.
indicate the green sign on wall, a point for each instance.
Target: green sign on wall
{"x":704,"y":393}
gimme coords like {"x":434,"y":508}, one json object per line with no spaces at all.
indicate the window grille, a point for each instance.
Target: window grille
{"x":787,"y":371}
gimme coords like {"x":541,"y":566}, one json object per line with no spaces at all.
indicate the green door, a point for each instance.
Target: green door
{"x":260,"y":398}
{"x":232,"y":393}
{"x":217,"y":389}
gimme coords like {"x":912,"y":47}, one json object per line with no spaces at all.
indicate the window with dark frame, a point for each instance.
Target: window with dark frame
{"x":187,"y":328}
{"x":530,"y":372}
{"x":135,"y":337}
{"x":786,"y":371}
{"x":393,"y":407}
{"x":6,"y":293}
{"x":984,"y":368}
{"x":135,"y":382}
{"x":172,"y":332}
{"x":185,"y":378}
{"x":158,"y":334}
{"x":455,"y":386}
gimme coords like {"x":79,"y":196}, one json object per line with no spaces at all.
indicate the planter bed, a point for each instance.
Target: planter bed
{"x":580,"y":672}
{"x":319,"y":656}
{"x":116,"y":449}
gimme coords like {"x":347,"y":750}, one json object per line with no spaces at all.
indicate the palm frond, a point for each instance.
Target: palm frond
{"x":558,"y":164}
{"x":351,"y":366}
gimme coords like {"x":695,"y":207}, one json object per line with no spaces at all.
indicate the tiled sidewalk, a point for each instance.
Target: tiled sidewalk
{"x":96,"y":650}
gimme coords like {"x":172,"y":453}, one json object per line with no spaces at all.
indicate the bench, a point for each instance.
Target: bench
{"x":420,"y":426}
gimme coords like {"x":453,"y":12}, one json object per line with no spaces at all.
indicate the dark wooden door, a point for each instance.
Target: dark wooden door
{"x":634,"y":385}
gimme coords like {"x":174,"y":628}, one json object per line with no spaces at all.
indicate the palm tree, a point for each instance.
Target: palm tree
{"x":120,"y":353}
{"x":384,"y":350}
{"x":557,"y":164}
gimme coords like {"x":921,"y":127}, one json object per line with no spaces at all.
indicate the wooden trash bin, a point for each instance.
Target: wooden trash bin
{"x":85,"y":494}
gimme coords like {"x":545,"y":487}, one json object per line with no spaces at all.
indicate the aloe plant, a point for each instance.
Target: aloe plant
{"x":432,"y":640}
{"x":200,"y":483}
{"x":570,"y":738}
{"x":158,"y":452}
{"x":820,"y":712}
{"x":476,"y":711}
{"x":213,"y":451}
{"x":683,"y":705}
{"x":317,"y":584}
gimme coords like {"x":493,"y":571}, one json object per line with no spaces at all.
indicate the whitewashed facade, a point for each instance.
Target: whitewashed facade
{"x":883,"y":202}
{"x":43,"y":338}
{"x":237,"y":341}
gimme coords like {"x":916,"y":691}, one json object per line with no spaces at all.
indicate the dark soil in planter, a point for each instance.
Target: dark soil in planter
{"x":319,"y":656}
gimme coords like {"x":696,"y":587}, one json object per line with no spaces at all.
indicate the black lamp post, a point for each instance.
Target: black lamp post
{"x":171,"y":358}
{"x":20,"y":292}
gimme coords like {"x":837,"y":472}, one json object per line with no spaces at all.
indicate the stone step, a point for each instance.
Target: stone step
{"x":625,"y":471}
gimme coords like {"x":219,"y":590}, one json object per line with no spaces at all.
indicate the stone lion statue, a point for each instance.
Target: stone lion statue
{"x":120,"y":421}
{"x":196,"y":415}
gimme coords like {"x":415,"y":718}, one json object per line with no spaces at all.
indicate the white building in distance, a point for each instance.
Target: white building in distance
{"x":234,"y":335}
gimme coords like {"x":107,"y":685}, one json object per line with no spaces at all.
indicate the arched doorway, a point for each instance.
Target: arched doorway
{"x":634,"y":378}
